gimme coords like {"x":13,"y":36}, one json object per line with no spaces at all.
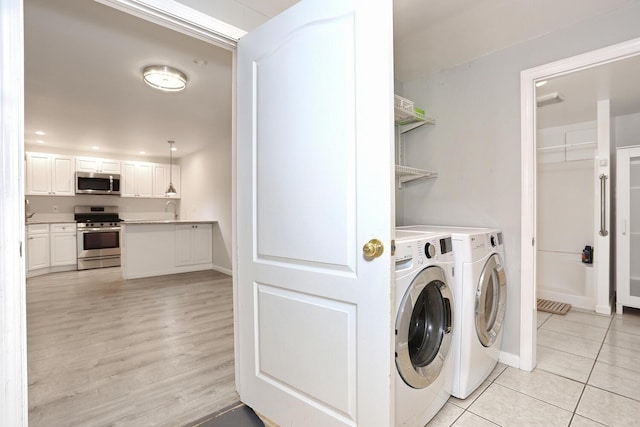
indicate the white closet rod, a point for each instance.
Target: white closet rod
{"x":558,"y":147}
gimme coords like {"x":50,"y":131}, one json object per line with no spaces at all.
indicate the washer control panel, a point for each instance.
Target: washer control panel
{"x":421,"y":251}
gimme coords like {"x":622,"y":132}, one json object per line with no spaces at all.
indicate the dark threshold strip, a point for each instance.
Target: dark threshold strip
{"x":235,"y":415}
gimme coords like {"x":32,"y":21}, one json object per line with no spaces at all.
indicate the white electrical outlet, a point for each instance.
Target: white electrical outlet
{"x":55,"y":209}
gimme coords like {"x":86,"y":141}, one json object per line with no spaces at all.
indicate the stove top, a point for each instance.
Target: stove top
{"x":96,"y":216}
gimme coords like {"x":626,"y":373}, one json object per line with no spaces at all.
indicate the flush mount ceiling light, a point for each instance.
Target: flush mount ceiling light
{"x":164,"y":78}
{"x":551,"y":98}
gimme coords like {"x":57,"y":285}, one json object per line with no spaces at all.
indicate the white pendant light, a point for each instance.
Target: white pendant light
{"x":164,"y":78}
{"x":171,"y":190}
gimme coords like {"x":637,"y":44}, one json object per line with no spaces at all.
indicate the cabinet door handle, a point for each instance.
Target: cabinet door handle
{"x":603,"y":205}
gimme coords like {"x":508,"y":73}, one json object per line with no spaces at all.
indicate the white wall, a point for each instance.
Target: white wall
{"x":475,"y":145}
{"x":627,"y":130}
{"x":206,"y":195}
{"x":565,"y":213}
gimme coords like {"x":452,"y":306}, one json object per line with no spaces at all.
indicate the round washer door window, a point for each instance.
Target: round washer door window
{"x":491,"y":301}
{"x":423,"y":328}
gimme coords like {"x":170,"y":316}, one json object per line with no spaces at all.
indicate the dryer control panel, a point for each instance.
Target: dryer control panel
{"x":486,"y":243}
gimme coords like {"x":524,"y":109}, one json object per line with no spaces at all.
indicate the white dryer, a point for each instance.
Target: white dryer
{"x":480,"y":293}
{"x":424,"y":325}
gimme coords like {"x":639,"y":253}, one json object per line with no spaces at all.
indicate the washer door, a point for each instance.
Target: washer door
{"x":491,"y":301}
{"x":423,"y":328}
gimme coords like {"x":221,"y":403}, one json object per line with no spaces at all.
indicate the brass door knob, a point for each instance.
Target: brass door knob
{"x":373,"y":248}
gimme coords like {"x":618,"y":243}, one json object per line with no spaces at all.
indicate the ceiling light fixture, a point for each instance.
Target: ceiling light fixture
{"x":171,"y":191}
{"x":551,"y":98}
{"x":39,"y":132}
{"x":541,"y":83}
{"x":165,"y":78}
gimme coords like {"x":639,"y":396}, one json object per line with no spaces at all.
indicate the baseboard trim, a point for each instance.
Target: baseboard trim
{"x":226,"y":271}
{"x":509,"y":359}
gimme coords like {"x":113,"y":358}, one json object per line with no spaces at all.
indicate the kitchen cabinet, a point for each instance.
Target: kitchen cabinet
{"x":193,"y":244}
{"x":627,"y":228}
{"x":63,"y":244}
{"x":162,"y":177}
{"x":37,"y":246}
{"x":51,"y":248}
{"x":136,"y":179}
{"x":50,"y":175}
{"x":92,"y":164}
{"x":156,"y":248}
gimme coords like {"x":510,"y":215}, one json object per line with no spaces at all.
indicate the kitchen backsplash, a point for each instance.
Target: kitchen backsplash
{"x":60,"y":209}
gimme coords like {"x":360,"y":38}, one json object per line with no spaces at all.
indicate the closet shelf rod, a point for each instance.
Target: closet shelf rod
{"x":558,"y":147}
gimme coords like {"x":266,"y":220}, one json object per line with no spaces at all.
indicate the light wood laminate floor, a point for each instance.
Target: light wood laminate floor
{"x":103,"y":351}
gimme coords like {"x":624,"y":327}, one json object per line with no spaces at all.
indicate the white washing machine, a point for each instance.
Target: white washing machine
{"x":480,"y":293}
{"x":424,"y":325}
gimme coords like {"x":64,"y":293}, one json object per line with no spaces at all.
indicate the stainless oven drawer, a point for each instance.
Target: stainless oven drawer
{"x":101,"y":262}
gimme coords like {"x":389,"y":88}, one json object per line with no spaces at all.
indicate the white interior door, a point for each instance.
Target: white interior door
{"x":314,"y":184}
{"x":602,"y":252}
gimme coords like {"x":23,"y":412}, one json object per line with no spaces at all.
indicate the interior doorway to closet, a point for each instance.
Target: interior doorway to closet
{"x":582,"y":117}
{"x":622,"y":123}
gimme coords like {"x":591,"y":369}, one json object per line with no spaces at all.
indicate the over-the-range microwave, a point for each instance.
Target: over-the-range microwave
{"x":97,"y":183}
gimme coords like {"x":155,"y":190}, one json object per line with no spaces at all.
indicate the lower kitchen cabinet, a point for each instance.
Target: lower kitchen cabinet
{"x":63,"y":244}
{"x":193,"y":244}
{"x":156,"y":248}
{"x":51,"y":248}
{"x":37,"y":246}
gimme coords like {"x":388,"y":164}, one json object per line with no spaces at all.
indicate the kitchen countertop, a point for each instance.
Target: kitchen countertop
{"x":166,"y":221}
{"x":48,"y":222}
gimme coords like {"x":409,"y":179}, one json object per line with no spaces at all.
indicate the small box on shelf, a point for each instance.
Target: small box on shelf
{"x":406,"y":112}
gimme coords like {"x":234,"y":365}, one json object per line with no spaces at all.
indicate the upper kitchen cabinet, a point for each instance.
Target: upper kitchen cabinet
{"x":92,"y":164}
{"x":137,"y":179}
{"x":162,"y":177}
{"x":50,"y":175}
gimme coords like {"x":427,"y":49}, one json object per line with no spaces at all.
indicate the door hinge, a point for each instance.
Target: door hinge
{"x":533,"y":241}
{"x":20,"y":248}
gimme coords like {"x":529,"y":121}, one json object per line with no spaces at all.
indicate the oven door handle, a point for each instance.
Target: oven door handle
{"x":98,"y":230}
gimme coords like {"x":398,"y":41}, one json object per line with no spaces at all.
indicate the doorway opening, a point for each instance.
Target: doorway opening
{"x":530,"y":176}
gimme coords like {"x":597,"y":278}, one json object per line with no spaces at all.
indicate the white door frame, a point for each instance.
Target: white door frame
{"x":528,"y":180}
{"x":13,"y":333}
{"x":13,"y":324}
{"x":181,"y":18}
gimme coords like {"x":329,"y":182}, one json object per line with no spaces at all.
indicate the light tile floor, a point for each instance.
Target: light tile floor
{"x":588,"y":374}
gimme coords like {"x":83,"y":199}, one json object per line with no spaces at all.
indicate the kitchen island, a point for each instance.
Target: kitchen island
{"x":159,"y":247}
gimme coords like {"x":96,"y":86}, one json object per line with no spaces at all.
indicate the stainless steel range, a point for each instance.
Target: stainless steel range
{"x":98,"y":236}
